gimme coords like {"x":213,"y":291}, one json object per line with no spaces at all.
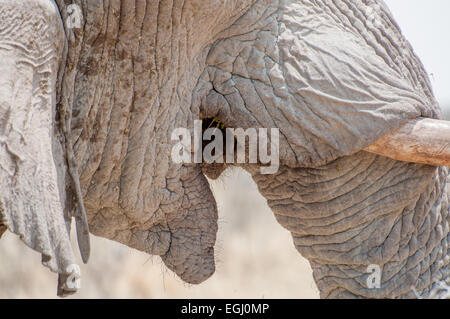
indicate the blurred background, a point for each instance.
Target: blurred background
{"x":255,"y":256}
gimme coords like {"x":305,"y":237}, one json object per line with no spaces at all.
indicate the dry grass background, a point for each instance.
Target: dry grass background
{"x":255,"y":259}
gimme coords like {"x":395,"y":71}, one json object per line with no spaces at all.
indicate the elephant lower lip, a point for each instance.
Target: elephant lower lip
{"x":193,"y":268}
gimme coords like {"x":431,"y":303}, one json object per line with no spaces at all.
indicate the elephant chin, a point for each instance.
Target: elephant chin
{"x":182,"y":230}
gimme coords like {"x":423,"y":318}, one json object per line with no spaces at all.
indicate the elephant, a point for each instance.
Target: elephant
{"x":91,"y":91}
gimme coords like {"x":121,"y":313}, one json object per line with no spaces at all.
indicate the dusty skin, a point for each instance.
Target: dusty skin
{"x":86,"y":117}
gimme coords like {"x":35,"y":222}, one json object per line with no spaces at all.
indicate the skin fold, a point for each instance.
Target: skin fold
{"x":333,"y":76}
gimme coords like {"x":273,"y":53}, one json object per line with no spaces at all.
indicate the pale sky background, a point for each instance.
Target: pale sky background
{"x":426,"y":25}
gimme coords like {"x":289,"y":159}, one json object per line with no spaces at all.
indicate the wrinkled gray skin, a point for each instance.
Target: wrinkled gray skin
{"x":323,"y":72}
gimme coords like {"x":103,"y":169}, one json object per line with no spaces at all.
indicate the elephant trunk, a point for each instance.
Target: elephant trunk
{"x":361,"y":212}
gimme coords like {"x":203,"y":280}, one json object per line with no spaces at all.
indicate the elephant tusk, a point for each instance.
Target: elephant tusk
{"x":423,"y":140}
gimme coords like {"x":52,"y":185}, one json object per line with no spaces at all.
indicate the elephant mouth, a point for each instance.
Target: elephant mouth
{"x":422,"y":141}
{"x":416,"y":142}
{"x":214,"y":170}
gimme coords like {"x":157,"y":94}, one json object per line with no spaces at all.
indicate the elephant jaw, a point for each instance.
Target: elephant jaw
{"x":423,"y":141}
